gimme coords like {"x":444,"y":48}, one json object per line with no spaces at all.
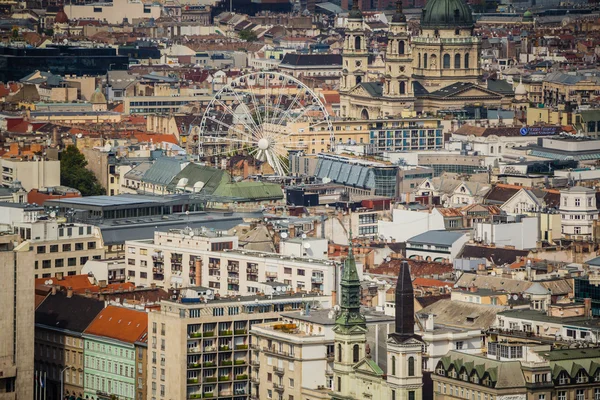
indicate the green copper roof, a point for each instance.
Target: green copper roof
{"x":355,"y":13}
{"x":528,"y":16}
{"x":350,"y":315}
{"x":446,"y":14}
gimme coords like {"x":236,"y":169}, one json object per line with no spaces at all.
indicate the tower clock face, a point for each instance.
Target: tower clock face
{"x":358,"y":63}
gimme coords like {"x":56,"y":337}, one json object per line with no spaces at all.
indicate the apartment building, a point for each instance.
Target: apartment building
{"x":181,"y":258}
{"x":518,"y":371}
{"x":199,"y":347}
{"x":60,"y":249}
{"x":578,"y":212}
{"x":112,"y":361}
{"x":16,"y":319}
{"x":37,"y":173}
{"x":59,"y":324}
{"x":287,"y":353}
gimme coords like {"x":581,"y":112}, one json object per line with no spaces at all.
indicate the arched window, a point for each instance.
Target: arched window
{"x":401,"y":47}
{"x":419,"y":60}
{"x":393,"y":365}
{"x":402,"y":87}
{"x":425,"y":65}
{"x":491,"y":149}
{"x":411,"y":366}
{"x":457,"y":61}
{"x":466,"y":63}
{"x":446,"y":61}
{"x":357,"y":43}
{"x":339,"y":353}
{"x":355,"y":351}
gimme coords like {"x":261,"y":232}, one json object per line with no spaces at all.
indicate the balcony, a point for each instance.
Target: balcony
{"x":224,"y":348}
{"x":225,"y":333}
{"x":193,"y":365}
{"x":240,"y":332}
{"x":233,"y":280}
{"x":241,"y":377}
{"x":281,"y":353}
{"x":278,"y":387}
{"x":209,"y":364}
{"x":193,"y":350}
{"x":255,"y":364}
{"x":251,"y":270}
{"x":330,"y":357}
{"x":210,"y":379}
{"x":214,"y":266}
{"x":233,"y":268}
{"x":278,"y":371}
{"x":192,"y":381}
{"x":241,"y":347}
{"x":239,"y":361}
{"x":271,"y":274}
{"x":317,"y":279}
{"x":255,"y":380}
{"x":224,"y":378}
{"x":225,"y":363}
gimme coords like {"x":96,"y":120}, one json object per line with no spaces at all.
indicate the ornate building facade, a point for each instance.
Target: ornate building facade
{"x":356,"y":375}
{"x":437,"y":69}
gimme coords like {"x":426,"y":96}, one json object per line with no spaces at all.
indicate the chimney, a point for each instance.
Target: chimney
{"x":69,"y":292}
{"x":587,"y":306}
{"x":198,"y":265}
{"x":473,"y":289}
{"x":429,"y":322}
{"x":54,"y":289}
{"x":153,"y":285}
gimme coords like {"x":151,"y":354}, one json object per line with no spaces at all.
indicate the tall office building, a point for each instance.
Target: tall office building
{"x":16,"y":319}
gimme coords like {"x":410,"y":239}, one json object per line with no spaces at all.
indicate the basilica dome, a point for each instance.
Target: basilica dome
{"x":446,"y":14}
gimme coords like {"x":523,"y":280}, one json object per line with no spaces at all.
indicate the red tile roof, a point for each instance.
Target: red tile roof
{"x":155,"y":138}
{"x":427,"y":282}
{"x":120,"y":323}
{"x":81,"y":283}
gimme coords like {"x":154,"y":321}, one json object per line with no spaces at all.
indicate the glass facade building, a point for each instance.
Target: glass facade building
{"x":586,"y":288}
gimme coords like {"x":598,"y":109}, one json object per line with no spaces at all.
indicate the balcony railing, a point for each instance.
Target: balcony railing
{"x":278,"y":371}
{"x":278,"y":387}
{"x":273,"y":350}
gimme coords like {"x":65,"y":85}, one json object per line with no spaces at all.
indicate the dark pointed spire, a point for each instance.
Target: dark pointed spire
{"x":405,"y":306}
{"x":350,"y":290}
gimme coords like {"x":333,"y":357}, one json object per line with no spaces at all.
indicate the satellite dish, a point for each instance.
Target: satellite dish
{"x":284,"y":235}
{"x":48,"y":282}
{"x":515,"y":297}
{"x":304,"y":236}
{"x":388,"y":259}
{"x":307,"y":245}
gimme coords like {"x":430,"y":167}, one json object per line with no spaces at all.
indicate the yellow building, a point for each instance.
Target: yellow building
{"x":437,"y":69}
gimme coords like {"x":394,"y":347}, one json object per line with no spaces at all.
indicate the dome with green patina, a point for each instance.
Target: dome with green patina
{"x":446,"y":14}
{"x":528,"y":16}
{"x":355,"y":13}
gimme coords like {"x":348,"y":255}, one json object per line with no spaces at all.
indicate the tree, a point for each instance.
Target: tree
{"x":248,"y":35}
{"x":73,"y":173}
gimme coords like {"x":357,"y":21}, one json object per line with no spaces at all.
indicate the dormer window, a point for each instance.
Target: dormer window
{"x":563,"y":378}
{"x":581,"y":376}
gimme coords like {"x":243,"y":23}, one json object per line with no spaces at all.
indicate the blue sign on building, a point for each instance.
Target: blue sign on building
{"x":524,"y":131}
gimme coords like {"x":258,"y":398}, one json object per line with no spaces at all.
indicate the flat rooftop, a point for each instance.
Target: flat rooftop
{"x":321,"y":317}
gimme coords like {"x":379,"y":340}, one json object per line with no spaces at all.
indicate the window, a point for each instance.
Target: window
{"x":355,"y":353}
{"x":457,"y":61}
{"x":41,"y":249}
{"x":143,"y":275}
{"x":597,"y":394}
{"x":287,"y":271}
{"x":589,"y":202}
{"x":339,"y":353}
{"x":83,"y":260}
{"x":580,"y":394}
{"x":446,"y":60}
{"x":339,"y":384}
{"x":541,"y":397}
{"x":402,"y":87}
{"x":301,"y":272}
{"x":577,"y":230}
{"x":401,"y":47}
{"x":53,"y":248}
{"x":411,"y":395}
{"x":459,"y":345}
{"x":66,"y":247}
{"x":563,"y":378}
{"x":394,"y":394}
{"x":78,"y":246}
{"x":581,"y":377}
{"x":425,"y":65}
{"x":411,"y":366}
{"x":393,"y":365}
{"x":71,"y":262}
{"x":466,"y":63}
{"x":59,"y":262}
{"x":577,"y":202}
{"x":46,"y":263}
{"x":291,"y":383}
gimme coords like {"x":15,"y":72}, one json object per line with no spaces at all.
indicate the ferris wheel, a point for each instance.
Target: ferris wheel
{"x":263,"y":114}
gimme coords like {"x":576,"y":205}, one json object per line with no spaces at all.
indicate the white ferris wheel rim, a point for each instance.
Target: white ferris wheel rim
{"x":257,"y":136}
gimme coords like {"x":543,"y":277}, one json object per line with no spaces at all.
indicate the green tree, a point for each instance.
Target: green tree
{"x":73,"y":173}
{"x":248,"y":35}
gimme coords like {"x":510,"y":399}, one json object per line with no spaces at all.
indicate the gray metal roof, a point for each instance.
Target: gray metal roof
{"x":118,"y":234}
{"x":442,"y":238}
{"x":163,"y":170}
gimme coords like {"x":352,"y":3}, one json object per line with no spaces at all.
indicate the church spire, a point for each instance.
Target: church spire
{"x":350,"y":287}
{"x":405,"y":307}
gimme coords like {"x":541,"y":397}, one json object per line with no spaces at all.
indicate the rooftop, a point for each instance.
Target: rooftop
{"x":73,"y":314}
{"x":119,"y":323}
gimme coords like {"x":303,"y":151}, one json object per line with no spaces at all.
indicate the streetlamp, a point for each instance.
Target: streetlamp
{"x":62,"y":393}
